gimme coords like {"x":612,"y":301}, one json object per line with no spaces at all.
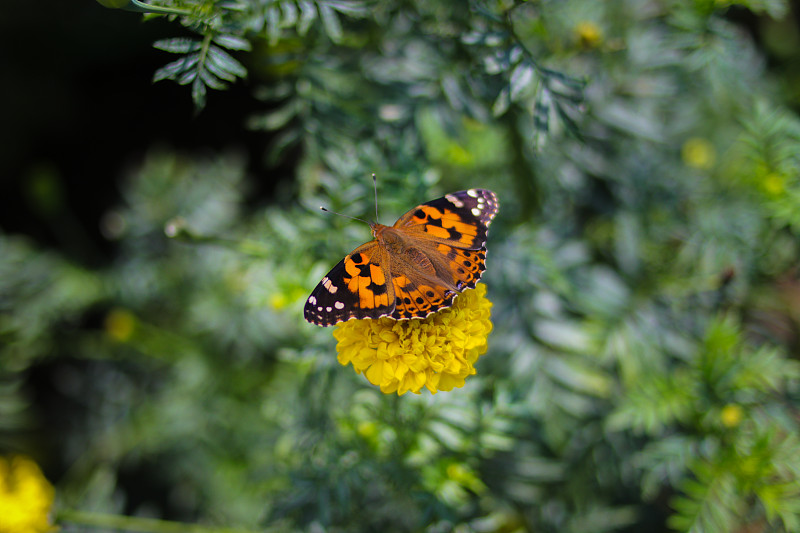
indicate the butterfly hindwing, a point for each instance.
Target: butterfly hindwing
{"x":357,"y":287}
{"x":467,"y":266}
{"x":460,"y":219}
{"x":418,"y":299}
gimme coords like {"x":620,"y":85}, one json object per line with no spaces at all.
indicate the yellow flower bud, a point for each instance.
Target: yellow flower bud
{"x":698,"y":153}
{"x":120,"y":324}
{"x":731,"y":415}
{"x":588,"y":34}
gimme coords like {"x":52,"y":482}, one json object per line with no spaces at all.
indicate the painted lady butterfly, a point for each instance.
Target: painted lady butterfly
{"x":413,"y":268}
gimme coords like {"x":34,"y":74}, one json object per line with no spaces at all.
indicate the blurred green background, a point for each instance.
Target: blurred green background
{"x":158,"y":241}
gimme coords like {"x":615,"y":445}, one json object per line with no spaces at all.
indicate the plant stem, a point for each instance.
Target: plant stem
{"x":137,"y":5}
{"x":133,"y":523}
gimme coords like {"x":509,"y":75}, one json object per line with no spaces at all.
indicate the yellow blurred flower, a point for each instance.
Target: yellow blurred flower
{"x":283,"y":299}
{"x":437,"y":352}
{"x":698,"y":153}
{"x":367,"y":429}
{"x":466,"y":477}
{"x":731,"y":415}
{"x":278,"y":300}
{"x":120,"y":324}
{"x":25,"y":497}
{"x":588,"y":34}
{"x":774,"y":184}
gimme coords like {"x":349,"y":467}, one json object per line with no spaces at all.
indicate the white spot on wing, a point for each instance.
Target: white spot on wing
{"x":329,"y":309}
{"x":476,"y":211}
{"x":473,"y":193}
{"x":454,"y":200}
{"x":312,"y":300}
{"x":339,"y":305}
{"x":329,"y":285}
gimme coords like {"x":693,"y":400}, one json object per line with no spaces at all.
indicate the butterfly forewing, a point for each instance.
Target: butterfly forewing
{"x":460,"y":219}
{"x":355,"y":288}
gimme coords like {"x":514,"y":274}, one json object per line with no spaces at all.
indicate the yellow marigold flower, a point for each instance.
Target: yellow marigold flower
{"x":120,"y":324}
{"x":437,"y":352}
{"x":698,"y":153}
{"x":25,"y":497}
{"x":588,"y":34}
{"x":731,"y":415}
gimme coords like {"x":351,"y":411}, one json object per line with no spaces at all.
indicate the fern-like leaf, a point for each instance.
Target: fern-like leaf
{"x":204,"y":64}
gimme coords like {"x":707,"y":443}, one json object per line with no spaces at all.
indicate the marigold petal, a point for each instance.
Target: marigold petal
{"x":388,"y":336}
{"x":389,"y":387}
{"x":412,"y":381}
{"x":449,"y":382}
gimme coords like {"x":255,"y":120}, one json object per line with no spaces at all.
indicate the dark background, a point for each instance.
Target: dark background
{"x":80,"y":109}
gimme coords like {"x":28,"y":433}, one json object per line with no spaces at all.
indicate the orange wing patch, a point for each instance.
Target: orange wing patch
{"x":365,"y":278}
{"x":446,"y":225}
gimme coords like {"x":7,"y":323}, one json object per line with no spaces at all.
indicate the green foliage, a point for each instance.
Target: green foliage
{"x":642,"y":374}
{"x":202,"y":64}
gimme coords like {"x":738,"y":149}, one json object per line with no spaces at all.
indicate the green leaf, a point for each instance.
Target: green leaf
{"x":331,"y":22}
{"x":212,"y":81}
{"x":354,"y":8}
{"x":501,"y":103}
{"x":308,"y":13}
{"x":178,"y":45}
{"x":198,"y":90}
{"x":709,"y":504}
{"x":657,"y":402}
{"x":223,"y":65}
{"x":232,"y":42}
{"x":521,"y":82}
{"x":175,"y":69}
{"x":273,"y":25}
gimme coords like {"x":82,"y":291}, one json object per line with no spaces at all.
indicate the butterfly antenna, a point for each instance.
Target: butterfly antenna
{"x":345,"y":216}
{"x":375,"y":187}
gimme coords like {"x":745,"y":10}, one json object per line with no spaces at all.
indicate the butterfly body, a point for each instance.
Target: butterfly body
{"x":413,"y":268}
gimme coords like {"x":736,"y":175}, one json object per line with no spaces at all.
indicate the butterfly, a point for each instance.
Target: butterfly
{"x":413,"y":268}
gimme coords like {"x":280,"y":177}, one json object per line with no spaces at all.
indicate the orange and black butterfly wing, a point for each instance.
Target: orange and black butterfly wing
{"x":455,"y":227}
{"x":357,"y":287}
{"x":418,"y":298}
{"x":460,"y":219}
